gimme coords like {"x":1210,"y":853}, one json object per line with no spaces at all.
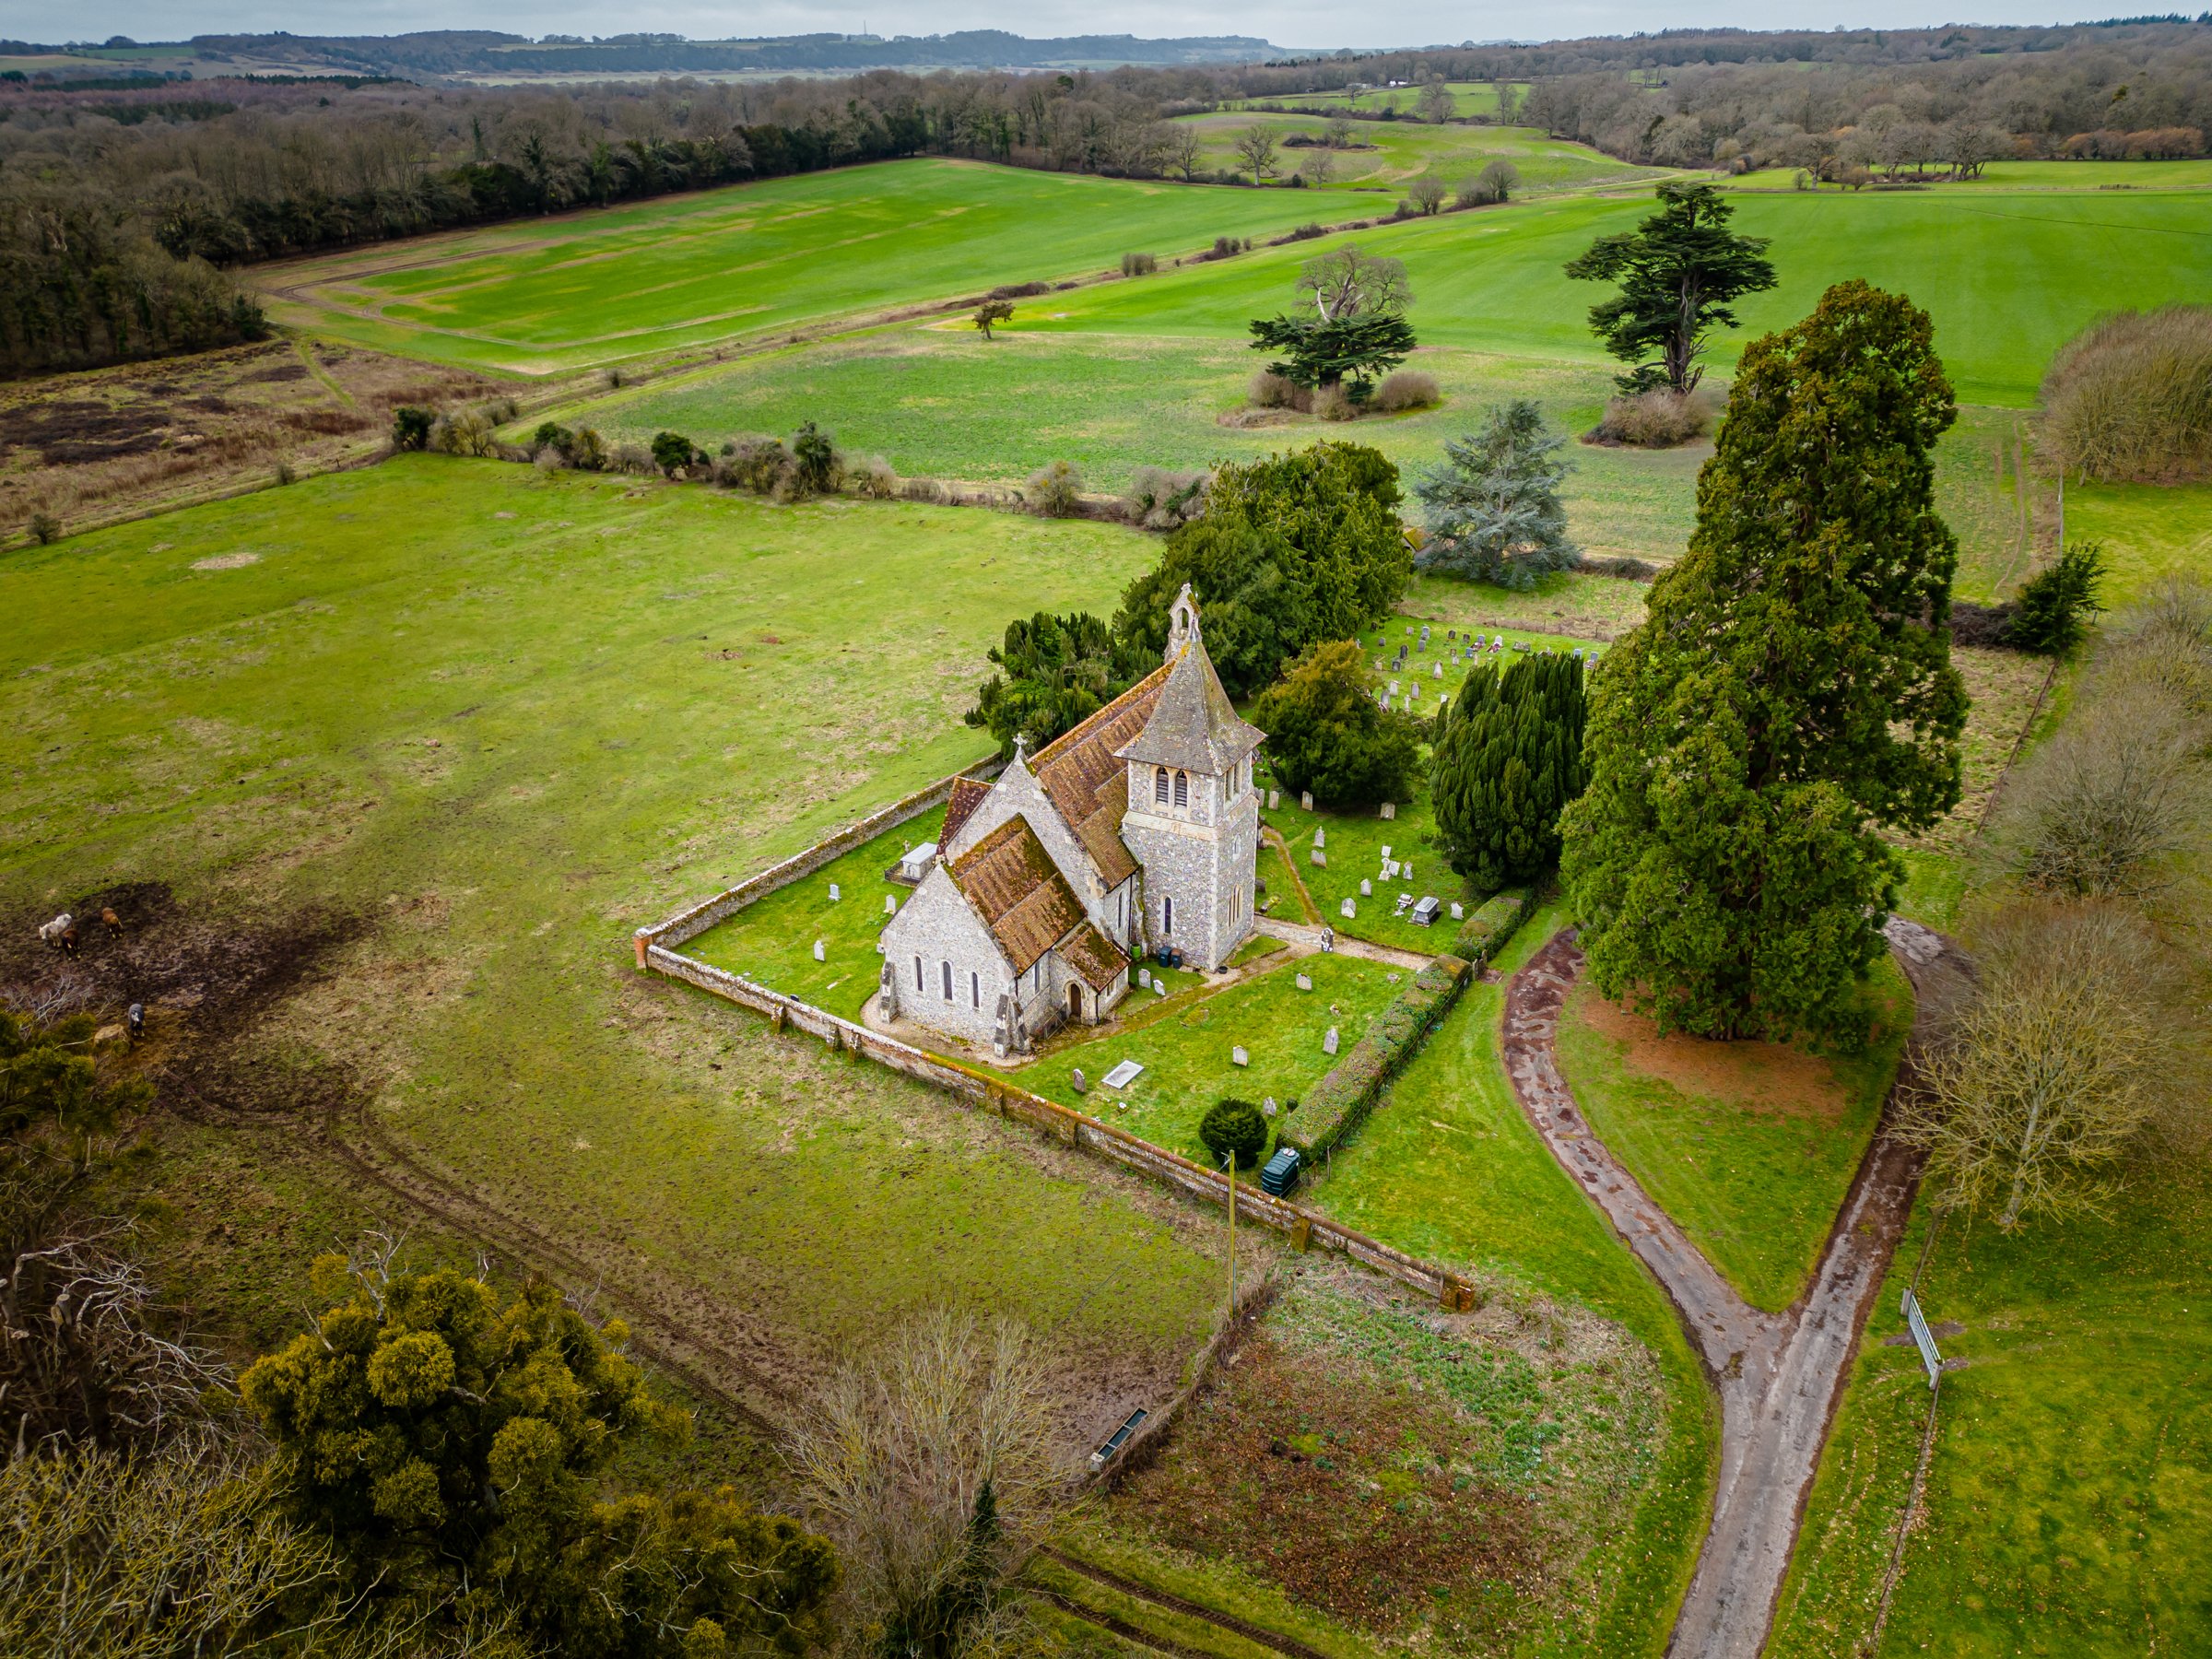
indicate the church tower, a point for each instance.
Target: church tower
{"x":1193,"y":820}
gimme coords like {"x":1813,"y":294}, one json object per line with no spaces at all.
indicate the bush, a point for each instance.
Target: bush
{"x":2053,"y":608}
{"x":672,"y":453}
{"x":550,"y":435}
{"x":1494,"y":183}
{"x":632,"y":458}
{"x":411,"y":427}
{"x":1335,"y":403}
{"x":283,"y":472}
{"x":469,"y":433}
{"x":1981,"y":625}
{"x":1628,"y":570}
{"x":923,"y":489}
{"x":1020,"y":290}
{"x":815,"y":464}
{"x":1236,"y":1127}
{"x":547,"y":460}
{"x":1426,"y":194}
{"x":874,"y":478}
{"x":587,"y":450}
{"x":1306,"y":232}
{"x":1486,"y":933}
{"x":1139,"y":265}
{"x":45,"y":529}
{"x":1341,"y":1100}
{"x":1269,"y":390}
{"x":759,"y":465}
{"x":1055,"y":492}
{"x":1659,"y":418}
{"x":1160,"y":500}
{"x":1327,"y":734}
{"x":1406,"y":389}
{"x":2130,"y":400}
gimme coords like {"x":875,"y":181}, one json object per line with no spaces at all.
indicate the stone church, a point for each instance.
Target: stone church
{"x":1135,"y":831}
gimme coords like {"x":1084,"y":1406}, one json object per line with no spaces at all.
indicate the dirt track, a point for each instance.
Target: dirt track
{"x":1778,"y":1375}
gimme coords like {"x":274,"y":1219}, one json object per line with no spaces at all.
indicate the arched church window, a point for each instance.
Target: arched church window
{"x":1182,"y":789}
{"x":1159,"y":785}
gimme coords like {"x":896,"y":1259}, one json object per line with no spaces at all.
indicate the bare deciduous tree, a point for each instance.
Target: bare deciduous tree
{"x":1347,"y":282}
{"x":1255,"y":148}
{"x":899,"y":1453}
{"x":2053,"y":1068}
{"x":1181,"y":150}
{"x":1435,"y":104}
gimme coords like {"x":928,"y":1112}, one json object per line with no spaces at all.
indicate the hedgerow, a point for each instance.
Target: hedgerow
{"x":1483,"y":935}
{"x":1341,"y":1100}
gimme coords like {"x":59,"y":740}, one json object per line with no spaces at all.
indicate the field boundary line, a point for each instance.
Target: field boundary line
{"x":1287,"y":1645}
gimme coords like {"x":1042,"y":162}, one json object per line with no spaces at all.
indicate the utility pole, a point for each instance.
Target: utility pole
{"x":1229,"y":1165}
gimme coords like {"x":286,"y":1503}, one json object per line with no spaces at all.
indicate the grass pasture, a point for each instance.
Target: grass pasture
{"x":547,"y":296}
{"x":501,"y":719}
{"x":1749,"y":1145}
{"x":1393,"y":154}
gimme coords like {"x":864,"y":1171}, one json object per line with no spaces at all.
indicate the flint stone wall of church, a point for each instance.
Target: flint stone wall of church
{"x":936,"y":924}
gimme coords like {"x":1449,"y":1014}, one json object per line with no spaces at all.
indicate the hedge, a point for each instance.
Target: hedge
{"x":1341,"y":1100}
{"x":1483,"y":935}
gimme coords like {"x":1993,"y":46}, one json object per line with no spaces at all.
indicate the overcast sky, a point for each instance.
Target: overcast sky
{"x":1285,"y":22}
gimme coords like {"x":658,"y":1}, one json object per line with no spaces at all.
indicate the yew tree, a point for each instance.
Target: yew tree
{"x":1508,"y":759}
{"x":1789,"y":693}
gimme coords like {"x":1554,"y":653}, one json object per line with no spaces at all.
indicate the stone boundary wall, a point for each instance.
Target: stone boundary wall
{"x":689,"y":924}
{"x":1305,"y":1229}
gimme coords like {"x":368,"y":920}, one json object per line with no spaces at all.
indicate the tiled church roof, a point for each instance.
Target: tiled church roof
{"x":1096,"y":960}
{"x":967,"y":795}
{"x":1082,"y":776}
{"x":1009,"y":880}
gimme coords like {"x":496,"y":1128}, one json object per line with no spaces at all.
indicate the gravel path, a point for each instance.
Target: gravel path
{"x":1778,"y":1375}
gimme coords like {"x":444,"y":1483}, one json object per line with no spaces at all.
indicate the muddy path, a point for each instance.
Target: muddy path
{"x":1778,"y":1375}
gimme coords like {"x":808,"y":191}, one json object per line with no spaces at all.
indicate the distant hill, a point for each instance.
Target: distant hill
{"x":483,"y":53}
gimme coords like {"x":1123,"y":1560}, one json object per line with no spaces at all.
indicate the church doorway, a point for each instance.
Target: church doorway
{"x":1074,"y":1002}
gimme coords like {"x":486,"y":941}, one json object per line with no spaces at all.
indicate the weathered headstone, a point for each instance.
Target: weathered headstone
{"x":834,"y":893}
{"x":1082,"y":1086}
{"x":1275,"y":799}
{"x":1328,"y":1043}
{"x":1459,"y":911}
{"x":1319,"y":857}
{"x":1236,"y":1056}
{"x":1393,"y":688}
{"x":819,"y":954}
{"x":1367,"y":887}
{"x":1386,"y":852}
{"x":1440,"y":672}
{"x":1306,"y":800}
{"x":1451,"y":633}
{"x":1390,"y":809}
{"x":1347,"y":909}
{"x":1267,"y":1106}
{"x":1321,"y":836}
{"x":1407,"y":869}
{"x":890,"y":904}
{"x":1160,"y":987}
{"x":1144,"y":978}
{"x":1305,"y":982}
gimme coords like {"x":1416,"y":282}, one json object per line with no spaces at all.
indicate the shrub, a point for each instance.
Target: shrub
{"x":411,"y":427}
{"x":1341,"y":1100}
{"x":1236,"y":1127}
{"x":2165,"y":644}
{"x":991,"y":314}
{"x":1139,"y":265}
{"x":922,"y":490}
{"x":45,"y":529}
{"x":1020,"y":290}
{"x":672,"y":453}
{"x":587,"y":450}
{"x":1427,"y":193}
{"x":500,"y":410}
{"x":1981,"y":625}
{"x":874,"y":478}
{"x":1305,"y":232}
{"x":2131,"y":398}
{"x":1406,"y":389}
{"x":614,"y":380}
{"x":759,"y":465}
{"x":551,"y":434}
{"x":1659,"y":418}
{"x":1628,"y":570}
{"x":469,"y":433}
{"x":2053,"y":608}
{"x":1483,"y":935}
{"x":547,"y":460}
{"x":283,"y":472}
{"x":1269,"y":390}
{"x":816,"y":467}
{"x":1327,"y":734}
{"x":1055,"y":492}
{"x":1160,"y":500}
{"x":1335,"y":403}
{"x":632,"y":458}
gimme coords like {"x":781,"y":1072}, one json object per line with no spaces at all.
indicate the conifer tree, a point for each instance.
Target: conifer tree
{"x":1508,"y":761}
{"x":1790,"y":690}
{"x":1492,"y":505}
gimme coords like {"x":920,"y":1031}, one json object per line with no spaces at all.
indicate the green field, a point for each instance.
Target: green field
{"x":1393,"y":154}
{"x":1450,"y":1169}
{"x":2026,"y":175}
{"x":539,"y":296}
{"x":1468,"y":98}
{"x":1750,"y":1147}
{"x":504,"y":719}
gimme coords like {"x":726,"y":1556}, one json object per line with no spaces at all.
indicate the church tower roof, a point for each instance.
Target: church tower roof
{"x":1193,"y":726}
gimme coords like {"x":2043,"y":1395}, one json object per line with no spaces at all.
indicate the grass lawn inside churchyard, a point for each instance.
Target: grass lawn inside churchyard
{"x":492,"y":721}
{"x":606,"y":285}
{"x":1185,"y":1048}
{"x":1750,"y":1147}
{"x":1448,"y":1167}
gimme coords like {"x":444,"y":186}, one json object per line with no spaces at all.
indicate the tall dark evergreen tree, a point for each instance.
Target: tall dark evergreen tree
{"x":1678,"y":271}
{"x":1053,"y":671}
{"x":1506,"y":762}
{"x":1790,"y":690}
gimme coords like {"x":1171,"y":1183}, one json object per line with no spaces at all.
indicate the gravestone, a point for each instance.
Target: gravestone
{"x":1236,"y":1056}
{"x":1267,"y":1106}
{"x":1440,"y":672}
{"x":834,"y":894}
{"x":1305,"y":982}
{"x":1451,"y":633}
{"x":1081,"y":1086}
{"x":1393,"y":688}
{"x":1459,"y":911}
{"x":1306,"y":800}
{"x":1144,"y":978}
{"x":819,"y":954}
{"x":1407,"y":869}
{"x":1386,"y":852}
{"x":1367,"y":887}
{"x":1390,"y":809}
{"x":1328,"y":1043}
{"x":1347,"y":909}
{"x":1275,"y":799}
{"x":1319,"y":857}
{"x":890,"y":904}
{"x":1160,"y":987}
{"x":1321,"y":836}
